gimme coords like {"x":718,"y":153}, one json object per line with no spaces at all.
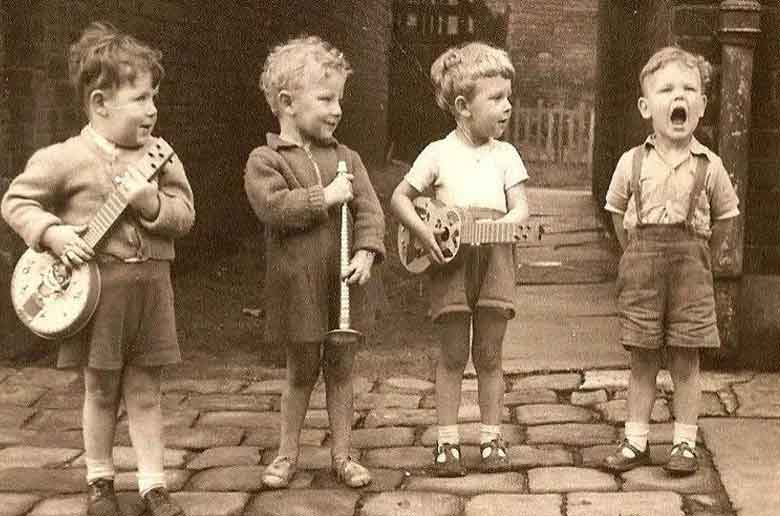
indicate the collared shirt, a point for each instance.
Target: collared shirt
{"x":666,"y":189}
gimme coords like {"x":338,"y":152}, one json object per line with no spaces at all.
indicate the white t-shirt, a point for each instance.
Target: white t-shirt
{"x":466,"y":176}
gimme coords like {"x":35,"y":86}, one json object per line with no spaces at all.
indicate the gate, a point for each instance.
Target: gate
{"x":422,"y":30}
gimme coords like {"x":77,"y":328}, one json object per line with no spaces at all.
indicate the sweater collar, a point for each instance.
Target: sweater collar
{"x":105,"y":146}
{"x":276,"y":142}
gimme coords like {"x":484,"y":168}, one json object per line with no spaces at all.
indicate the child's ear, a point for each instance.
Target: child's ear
{"x":462,"y":106}
{"x":97,"y":102}
{"x":285,"y":99}
{"x":644,"y":108}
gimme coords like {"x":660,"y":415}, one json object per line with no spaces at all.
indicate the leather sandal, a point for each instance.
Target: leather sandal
{"x":680,"y":463}
{"x":279,"y":473}
{"x":494,"y":456}
{"x":446,"y":461}
{"x":350,"y":472}
{"x":619,"y":463}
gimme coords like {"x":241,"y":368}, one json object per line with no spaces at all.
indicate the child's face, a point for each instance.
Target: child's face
{"x":487,"y":113}
{"x":673,"y":100}
{"x":130,"y":112}
{"x":316,"y":107}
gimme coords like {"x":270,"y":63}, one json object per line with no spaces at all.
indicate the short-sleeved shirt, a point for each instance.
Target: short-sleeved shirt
{"x":466,"y":176}
{"x":666,"y":189}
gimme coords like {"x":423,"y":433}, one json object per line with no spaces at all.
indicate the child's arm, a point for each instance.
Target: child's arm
{"x":720,"y":229}
{"x":401,"y":204}
{"x":274,"y":202}
{"x":620,"y":232}
{"x":517,"y":202}
{"x":167,"y":209}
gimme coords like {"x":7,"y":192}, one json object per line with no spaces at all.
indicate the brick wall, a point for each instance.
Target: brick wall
{"x":553,"y":46}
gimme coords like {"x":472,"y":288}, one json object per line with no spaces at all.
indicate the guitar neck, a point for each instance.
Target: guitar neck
{"x":155,"y":157}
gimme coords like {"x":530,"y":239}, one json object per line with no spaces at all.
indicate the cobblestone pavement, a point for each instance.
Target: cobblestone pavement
{"x":220,"y":432}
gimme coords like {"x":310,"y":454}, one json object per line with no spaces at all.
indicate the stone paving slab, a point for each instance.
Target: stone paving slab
{"x":125,"y":458}
{"x":389,"y":436}
{"x":574,"y":434}
{"x":654,"y":478}
{"x":212,"y":504}
{"x":128,"y":480}
{"x":218,"y":402}
{"x":661,"y":503}
{"x":530,"y":396}
{"x":130,"y":504}
{"x":303,"y":502}
{"x":36,"y":457}
{"x":760,"y":397}
{"x":514,"y":505}
{"x":269,"y":438}
{"x":555,"y":382}
{"x":226,"y":456}
{"x":200,"y":438}
{"x":21,"y":395}
{"x":16,"y":504}
{"x":402,"y":503}
{"x":66,"y":439}
{"x":43,"y":377}
{"x":15,"y":417}
{"x":21,"y":480}
{"x":545,"y":414}
{"x":472,"y":484}
{"x":565,"y":479}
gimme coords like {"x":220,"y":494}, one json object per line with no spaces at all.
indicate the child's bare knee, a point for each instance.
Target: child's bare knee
{"x":143,"y":400}
{"x":487,"y":363}
{"x":101,"y":389}
{"x":303,"y":377}
{"x":454,"y":360}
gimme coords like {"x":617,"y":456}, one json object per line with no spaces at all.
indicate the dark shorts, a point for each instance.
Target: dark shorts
{"x":665,"y":290}
{"x":481,"y":276}
{"x":134,"y":322}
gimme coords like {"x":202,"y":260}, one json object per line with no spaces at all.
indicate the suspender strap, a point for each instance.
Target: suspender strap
{"x":635,"y":188}
{"x":698,"y":187}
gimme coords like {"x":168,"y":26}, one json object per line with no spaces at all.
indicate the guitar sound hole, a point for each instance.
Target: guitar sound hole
{"x":445,"y":234}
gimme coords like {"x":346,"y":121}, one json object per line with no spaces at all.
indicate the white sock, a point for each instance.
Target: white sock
{"x":99,"y":468}
{"x":636,"y":434}
{"x":488,"y":432}
{"x":685,"y":434}
{"x":149,"y":481}
{"x":448,"y":434}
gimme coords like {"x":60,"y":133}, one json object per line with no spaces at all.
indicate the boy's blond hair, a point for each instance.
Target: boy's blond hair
{"x":456,"y":71}
{"x":289,"y":66}
{"x":105,"y":57}
{"x":677,"y":55}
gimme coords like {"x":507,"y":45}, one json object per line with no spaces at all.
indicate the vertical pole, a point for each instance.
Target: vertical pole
{"x":739,"y":28}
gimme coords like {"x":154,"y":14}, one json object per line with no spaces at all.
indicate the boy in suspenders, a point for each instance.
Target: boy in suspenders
{"x":671,"y":201}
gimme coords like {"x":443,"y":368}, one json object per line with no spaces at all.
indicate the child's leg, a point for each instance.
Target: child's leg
{"x":101,"y":401}
{"x":454,"y":342}
{"x":684,"y":369}
{"x":645,"y":364}
{"x":337,"y":370}
{"x":489,"y":330}
{"x":303,"y":369}
{"x":141,"y":390}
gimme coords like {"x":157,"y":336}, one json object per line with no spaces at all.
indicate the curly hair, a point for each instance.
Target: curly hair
{"x":456,"y":71}
{"x":668,"y":55}
{"x":105,"y":57}
{"x":290,"y":65}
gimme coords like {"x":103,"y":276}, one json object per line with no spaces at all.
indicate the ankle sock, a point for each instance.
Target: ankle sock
{"x":448,"y":434}
{"x":636,"y":434}
{"x":488,"y":432}
{"x":99,"y":468}
{"x":149,"y":481}
{"x":685,"y":434}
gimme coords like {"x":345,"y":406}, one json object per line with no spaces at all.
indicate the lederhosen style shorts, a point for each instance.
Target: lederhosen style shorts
{"x":479,"y":277}
{"x":134,"y":322}
{"x":665,"y":285}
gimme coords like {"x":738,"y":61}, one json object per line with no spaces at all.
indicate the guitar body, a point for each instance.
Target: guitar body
{"x":446,"y":223}
{"x":52,"y":300}
{"x":455,"y":227}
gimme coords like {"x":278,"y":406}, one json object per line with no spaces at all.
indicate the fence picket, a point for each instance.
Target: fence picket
{"x":553,"y":133}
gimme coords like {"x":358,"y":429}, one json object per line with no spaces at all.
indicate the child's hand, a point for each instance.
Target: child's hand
{"x":431,"y":244}
{"x":359,"y":269}
{"x":339,"y":190}
{"x":64,"y":241}
{"x":140,"y":193}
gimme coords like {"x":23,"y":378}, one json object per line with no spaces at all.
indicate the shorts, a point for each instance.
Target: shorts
{"x":480,"y":276}
{"x":665,"y":290}
{"x":134,"y":322}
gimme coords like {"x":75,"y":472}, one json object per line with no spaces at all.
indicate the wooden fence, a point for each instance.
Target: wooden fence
{"x":553,"y":134}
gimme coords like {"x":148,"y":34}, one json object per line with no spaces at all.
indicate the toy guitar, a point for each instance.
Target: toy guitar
{"x":455,"y":227}
{"x":55,"y":301}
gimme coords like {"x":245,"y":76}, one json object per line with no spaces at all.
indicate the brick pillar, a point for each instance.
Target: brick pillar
{"x":739,"y":27}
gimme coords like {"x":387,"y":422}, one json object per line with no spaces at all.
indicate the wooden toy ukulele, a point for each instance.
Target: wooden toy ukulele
{"x":55,"y":301}
{"x":455,"y":227}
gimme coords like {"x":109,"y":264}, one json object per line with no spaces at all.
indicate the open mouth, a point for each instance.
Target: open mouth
{"x":679,"y":116}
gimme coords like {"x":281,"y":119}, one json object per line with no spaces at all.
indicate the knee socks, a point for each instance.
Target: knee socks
{"x":448,"y":434}
{"x":488,"y":433}
{"x":99,"y":468}
{"x":148,"y":481}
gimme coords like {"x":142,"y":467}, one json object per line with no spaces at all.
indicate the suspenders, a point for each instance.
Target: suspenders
{"x":639,"y":153}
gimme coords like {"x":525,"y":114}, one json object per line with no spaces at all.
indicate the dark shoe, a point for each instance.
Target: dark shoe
{"x":619,"y":463}
{"x":446,"y":461}
{"x":101,"y":498}
{"x":679,"y":462}
{"x":494,"y":456}
{"x":159,"y":503}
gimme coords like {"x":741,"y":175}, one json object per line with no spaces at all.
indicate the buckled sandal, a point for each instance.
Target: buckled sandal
{"x":350,"y":472}
{"x":446,"y":461}
{"x":619,"y":463}
{"x":680,"y":463}
{"x":494,"y":456}
{"x":279,"y":473}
